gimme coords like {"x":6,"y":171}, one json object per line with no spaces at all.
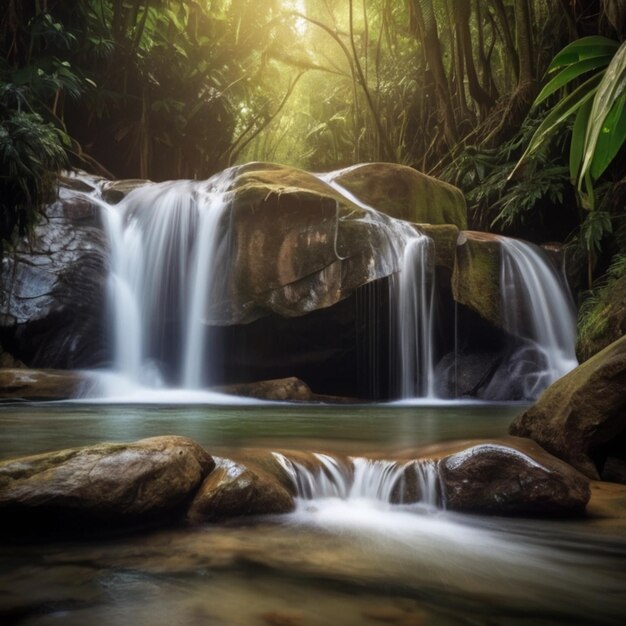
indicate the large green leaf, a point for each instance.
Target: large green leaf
{"x":578,"y":140}
{"x":571,"y":72}
{"x":609,"y":91}
{"x":584,"y":48}
{"x":611,"y":138}
{"x":557,"y":116}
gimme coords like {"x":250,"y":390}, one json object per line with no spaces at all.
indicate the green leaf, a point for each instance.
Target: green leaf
{"x":570,"y":73}
{"x":609,"y":91}
{"x":578,"y":140}
{"x":559,"y":114}
{"x":584,"y":48}
{"x":611,"y":138}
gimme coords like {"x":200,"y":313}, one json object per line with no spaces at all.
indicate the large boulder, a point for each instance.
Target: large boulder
{"x":405,"y":193}
{"x":235,"y":490}
{"x":298,"y":245}
{"x":581,"y":418}
{"x":516,"y":478}
{"x":52,"y":285}
{"x":99,"y":487}
{"x":27,"y":384}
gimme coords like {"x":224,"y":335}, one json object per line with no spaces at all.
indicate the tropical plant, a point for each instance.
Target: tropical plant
{"x":599,"y":106}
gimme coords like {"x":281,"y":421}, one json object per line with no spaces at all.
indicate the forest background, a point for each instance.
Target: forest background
{"x":170,"y":89}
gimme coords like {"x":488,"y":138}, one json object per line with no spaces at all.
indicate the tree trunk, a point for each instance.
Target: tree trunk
{"x":480,"y":96}
{"x":427,"y":27}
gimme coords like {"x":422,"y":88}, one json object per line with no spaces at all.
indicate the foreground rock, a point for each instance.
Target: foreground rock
{"x":27,"y":384}
{"x":582,"y":417}
{"x":101,"y":487}
{"x":519,"y":479}
{"x":234,"y":490}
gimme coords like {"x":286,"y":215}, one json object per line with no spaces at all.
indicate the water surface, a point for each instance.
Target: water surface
{"x":332,"y":561}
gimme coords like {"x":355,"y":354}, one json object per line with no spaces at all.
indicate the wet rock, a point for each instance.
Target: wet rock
{"x":466,"y":374}
{"x":520,"y":479}
{"x":52,"y":286}
{"x":445,"y":237}
{"x":299,"y":246}
{"x":234,"y":490}
{"x":115,"y":191}
{"x":581,"y":418}
{"x":476,"y":275}
{"x":101,"y":487}
{"x":28,"y":384}
{"x":405,"y":193}
{"x":281,"y":389}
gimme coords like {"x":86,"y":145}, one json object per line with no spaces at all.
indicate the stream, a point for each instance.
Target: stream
{"x":331,"y":561}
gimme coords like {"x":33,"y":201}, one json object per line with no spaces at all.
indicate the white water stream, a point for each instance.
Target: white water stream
{"x":163,"y":283}
{"x":168,"y":278}
{"x":538,"y":309}
{"x":411,"y":297}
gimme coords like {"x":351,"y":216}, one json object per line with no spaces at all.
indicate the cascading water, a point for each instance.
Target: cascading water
{"x":411,"y":297}
{"x":538,"y":310}
{"x":415,"y":319}
{"x":379,"y":482}
{"x":164,"y":249}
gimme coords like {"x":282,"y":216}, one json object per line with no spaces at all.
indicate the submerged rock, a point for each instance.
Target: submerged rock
{"x":100,"y":487}
{"x":291,"y":388}
{"x":521,"y":479}
{"x":581,"y":418}
{"x":234,"y":490}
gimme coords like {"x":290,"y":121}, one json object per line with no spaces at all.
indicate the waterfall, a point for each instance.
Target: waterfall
{"x":415,"y":319}
{"x":379,"y":481}
{"x":537,"y":309}
{"x":411,"y":296}
{"x":164,"y":250}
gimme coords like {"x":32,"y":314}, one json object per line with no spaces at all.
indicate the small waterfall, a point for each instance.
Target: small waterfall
{"x":164,"y":245}
{"x":537,"y":308}
{"x":381,"y":481}
{"x":412,"y":298}
{"x":415,"y":319}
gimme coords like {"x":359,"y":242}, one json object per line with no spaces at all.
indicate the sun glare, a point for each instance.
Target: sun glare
{"x":298,"y":6}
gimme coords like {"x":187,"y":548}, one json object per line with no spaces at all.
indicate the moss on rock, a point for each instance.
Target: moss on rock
{"x":602,"y":319}
{"x":406,"y":194}
{"x":581,"y":418}
{"x":476,"y":275}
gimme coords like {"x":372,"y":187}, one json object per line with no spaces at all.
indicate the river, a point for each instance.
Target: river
{"x":331,"y":562}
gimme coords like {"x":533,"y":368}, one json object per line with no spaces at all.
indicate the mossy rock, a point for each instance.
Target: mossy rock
{"x":406,"y":194}
{"x":298,"y":245}
{"x":476,"y":275}
{"x":445,"y":238}
{"x":604,"y":322}
{"x":581,"y":418}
